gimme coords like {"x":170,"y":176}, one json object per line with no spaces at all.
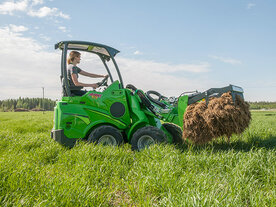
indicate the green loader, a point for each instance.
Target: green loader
{"x":117,"y":113}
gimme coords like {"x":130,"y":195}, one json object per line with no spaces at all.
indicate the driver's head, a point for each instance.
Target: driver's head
{"x":72,"y":56}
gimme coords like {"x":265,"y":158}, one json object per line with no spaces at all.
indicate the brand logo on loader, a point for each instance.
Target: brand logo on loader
{"x":95,"y":95}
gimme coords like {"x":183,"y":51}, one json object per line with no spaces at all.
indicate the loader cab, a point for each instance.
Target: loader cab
{"x":105,"y":53}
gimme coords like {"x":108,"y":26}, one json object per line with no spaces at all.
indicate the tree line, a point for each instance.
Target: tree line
{"x":48,"y":104}
{"x":262,"y":105}
{"x":27,"y":104}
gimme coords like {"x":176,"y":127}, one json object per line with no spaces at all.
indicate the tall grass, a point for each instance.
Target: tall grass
{"x":37,"y":171}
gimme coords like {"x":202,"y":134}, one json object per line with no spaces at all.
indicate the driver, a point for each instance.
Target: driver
{"x":74,"y":71}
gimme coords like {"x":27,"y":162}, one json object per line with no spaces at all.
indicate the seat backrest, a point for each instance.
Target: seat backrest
{"x":66,"y":83}
{"x":63,"y":83}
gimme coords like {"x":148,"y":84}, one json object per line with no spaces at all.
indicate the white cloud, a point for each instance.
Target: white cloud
{"x":62,"y":28}
{"x":35,"y":67}
{"x":137,"y":52}
{"x":46,"y":11}
{"x":44,"y":37}
{"x":64,"y":16}
{"x":10,"y":6}
{"x":27,"y":67}
{"x":166,"y":68}
{"x":37,"y":2}
{"x":250,"y":5}
{"x":15,"y":28}
{"x":163,"y":77}
{"x":226,"y":59}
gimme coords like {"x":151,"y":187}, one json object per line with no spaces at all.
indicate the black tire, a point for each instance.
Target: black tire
{"x":131,"y":87}
{"x":146,"y":136}
{"x":106,"y":135}
{"x":156,"y":101}
{"x":175,"y":131}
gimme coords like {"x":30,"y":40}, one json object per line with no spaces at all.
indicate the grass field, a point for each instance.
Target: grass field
{"x":36,"y":171}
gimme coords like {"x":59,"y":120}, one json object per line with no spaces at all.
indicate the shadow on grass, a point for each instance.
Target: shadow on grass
{"x":254,"y":143}
{"x":219,"y":145}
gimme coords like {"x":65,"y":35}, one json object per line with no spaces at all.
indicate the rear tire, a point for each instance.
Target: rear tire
{"x":175,"y":131}
{"x":106,"y":135}
{"x":146,"y":136}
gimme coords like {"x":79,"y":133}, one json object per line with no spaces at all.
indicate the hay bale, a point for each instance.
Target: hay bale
{"x":195,"y":127}
{"x":222,"y":117}
{"x":37,"y":109}
{"x":20,"y":110}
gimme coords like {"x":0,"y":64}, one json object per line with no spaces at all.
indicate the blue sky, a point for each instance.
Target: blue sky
{"x":169,"y":46}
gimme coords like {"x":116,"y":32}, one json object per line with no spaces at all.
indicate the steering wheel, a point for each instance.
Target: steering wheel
{"x":154,"y":100}
{"x":103,"y":82}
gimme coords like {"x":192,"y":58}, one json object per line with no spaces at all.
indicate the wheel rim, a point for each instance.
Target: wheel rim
{"x":145,"y":141}
{"x":107,"y":140}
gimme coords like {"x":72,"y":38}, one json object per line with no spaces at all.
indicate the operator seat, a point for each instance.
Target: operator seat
{"x":75,"y":90}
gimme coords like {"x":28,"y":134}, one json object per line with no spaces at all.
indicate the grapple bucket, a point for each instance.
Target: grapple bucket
{"x":216,"y":92}
{"x":215,"y":113}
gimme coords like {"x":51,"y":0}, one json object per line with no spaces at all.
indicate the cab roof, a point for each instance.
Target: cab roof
{"x":93,"y":47}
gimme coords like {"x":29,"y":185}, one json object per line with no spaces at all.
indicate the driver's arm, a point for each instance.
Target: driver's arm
{"x":92,"y":75}
{"x":77,"y":83}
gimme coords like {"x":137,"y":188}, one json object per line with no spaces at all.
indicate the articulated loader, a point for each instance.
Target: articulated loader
{"x":119,"y":113}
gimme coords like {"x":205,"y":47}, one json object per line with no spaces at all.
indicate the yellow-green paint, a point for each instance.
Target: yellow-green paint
{"x":84,"y":119}
{"x":107,"y":116}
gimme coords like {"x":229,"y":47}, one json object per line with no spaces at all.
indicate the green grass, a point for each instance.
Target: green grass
{"x":37,"y":171}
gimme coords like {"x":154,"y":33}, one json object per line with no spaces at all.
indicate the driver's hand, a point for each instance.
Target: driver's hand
{"x":106,"y":76}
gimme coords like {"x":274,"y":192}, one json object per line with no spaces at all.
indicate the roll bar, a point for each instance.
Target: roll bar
{"x":104,"y":52}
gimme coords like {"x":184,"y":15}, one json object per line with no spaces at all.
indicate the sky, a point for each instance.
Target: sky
{"x":170,"y":46}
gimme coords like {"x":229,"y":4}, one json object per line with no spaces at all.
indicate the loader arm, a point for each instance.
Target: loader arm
{"x":173,"y":112}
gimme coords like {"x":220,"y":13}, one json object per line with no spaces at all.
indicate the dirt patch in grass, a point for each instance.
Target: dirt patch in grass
{"x":120,"y":198}
{"x":222,"y":117}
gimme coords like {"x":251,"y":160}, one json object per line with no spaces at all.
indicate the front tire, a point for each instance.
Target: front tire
{"x":175,"y":131}
{"x":146,"y":136}
{"x":106,"y":135}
